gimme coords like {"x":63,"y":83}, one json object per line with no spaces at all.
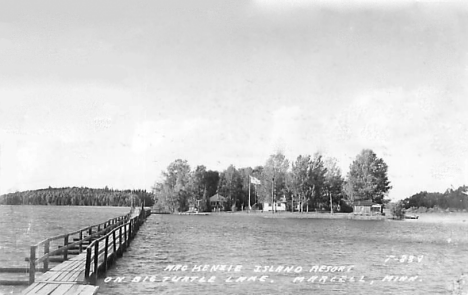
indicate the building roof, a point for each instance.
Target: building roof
{"x":217,"y":198}
{"x":364,"y":203}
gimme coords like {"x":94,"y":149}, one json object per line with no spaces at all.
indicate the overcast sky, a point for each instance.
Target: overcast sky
{"x":96,"y":93}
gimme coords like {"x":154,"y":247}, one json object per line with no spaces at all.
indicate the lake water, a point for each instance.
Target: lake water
{"x":23,"y":226}
{"x":258,"y":254}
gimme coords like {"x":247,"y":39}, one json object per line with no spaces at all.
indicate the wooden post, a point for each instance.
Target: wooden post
{"x":105,"y":252}
{"x":99,"y":228}
{"x":88,"y":263}
{"x":130,"y":231}
{"x":113,"y":242}
{"x":65,"y":253}
{"x":81,"y":241}
{"x":125,"y":238}
{"x":90,"y":231}
{"x":120,"y":241}
{"x":46,"y":252}
{"x":96,"y":262}
{"x":32,"y":265}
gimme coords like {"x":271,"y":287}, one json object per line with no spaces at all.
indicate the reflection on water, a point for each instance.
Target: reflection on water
{"x":426,"y":258}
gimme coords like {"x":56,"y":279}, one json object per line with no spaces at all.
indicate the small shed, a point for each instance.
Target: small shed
{"x":217,"y":202}
{"x":367,"y":207}
{"x":279,"y":205}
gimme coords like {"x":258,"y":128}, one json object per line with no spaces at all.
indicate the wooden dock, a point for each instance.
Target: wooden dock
{"x":96,"y":250}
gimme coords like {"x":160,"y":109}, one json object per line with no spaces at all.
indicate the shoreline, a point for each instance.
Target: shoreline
{"x":305,"y":215}
{"x":432,"y":217}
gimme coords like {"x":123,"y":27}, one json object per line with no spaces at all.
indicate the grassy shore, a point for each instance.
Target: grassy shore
{"x":312,"y":215}
{"x":448,"y":217}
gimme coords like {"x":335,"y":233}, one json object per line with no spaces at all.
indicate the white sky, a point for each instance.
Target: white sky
{"x":110,"y":92}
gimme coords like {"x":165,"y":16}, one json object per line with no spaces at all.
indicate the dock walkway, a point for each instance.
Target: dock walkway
{"x":74,"y":275}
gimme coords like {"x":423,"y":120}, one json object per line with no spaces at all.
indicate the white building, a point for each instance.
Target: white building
{"x":278,"y":206}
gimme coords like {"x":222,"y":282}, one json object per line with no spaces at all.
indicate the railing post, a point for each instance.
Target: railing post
{"x":65,"y":243}
{"x":120,"y":241}
{"x":46,"y":252}
{"x":105,"y":253}
{"x":125,"y":242}
{"x":88,"y":263}
{"x":130,"y":231}
{"x":135,"y":226}
{"x":96,"y":262}
{"x":81,"y":241}
{"x":113,"y":241}
{"x":99,"y":228}
{"x":32,"y":265}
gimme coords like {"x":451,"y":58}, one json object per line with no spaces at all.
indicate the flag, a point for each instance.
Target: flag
{"x":254,"y":180}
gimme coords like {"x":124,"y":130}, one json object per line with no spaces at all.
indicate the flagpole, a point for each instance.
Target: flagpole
{"x":250,"y":208}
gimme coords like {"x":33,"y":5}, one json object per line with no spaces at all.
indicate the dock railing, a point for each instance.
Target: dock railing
{"x":102,"y":251}
{"x":72,"y":241}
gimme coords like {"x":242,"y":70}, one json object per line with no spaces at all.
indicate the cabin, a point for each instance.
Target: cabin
{"x":217,"y":202}
{"x":279,"y":205}
{"x":367,"y":207}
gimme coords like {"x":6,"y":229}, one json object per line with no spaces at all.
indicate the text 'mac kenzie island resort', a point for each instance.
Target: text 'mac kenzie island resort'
{"x":194,"y":230}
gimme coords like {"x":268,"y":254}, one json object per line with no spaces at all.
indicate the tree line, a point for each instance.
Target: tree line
{"x":450,"y":199}
{"x":78,"y":196}
{"x":307,"y":183}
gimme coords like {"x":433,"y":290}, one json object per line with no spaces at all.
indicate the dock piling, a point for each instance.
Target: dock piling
{"x":81,"y":241}
{"x":65,"y":243}
{"x":105,"y":252}
{"x":96,"y":262}
{"x":46,"y":252}
{"x":32,"y":265}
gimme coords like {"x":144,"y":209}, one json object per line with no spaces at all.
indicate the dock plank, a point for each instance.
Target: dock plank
{"x":69,"y":276}
{"x":83,"y":290}
{"x":61,"y":277}
{"x":32,"y":289}
{"x":48,"y":288}
{"x":49,"y":276}
{"x":62,"y":289}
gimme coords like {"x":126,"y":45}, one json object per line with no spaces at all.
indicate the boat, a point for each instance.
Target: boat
{"x":411,"y":216}
{"x":193,"y":212}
